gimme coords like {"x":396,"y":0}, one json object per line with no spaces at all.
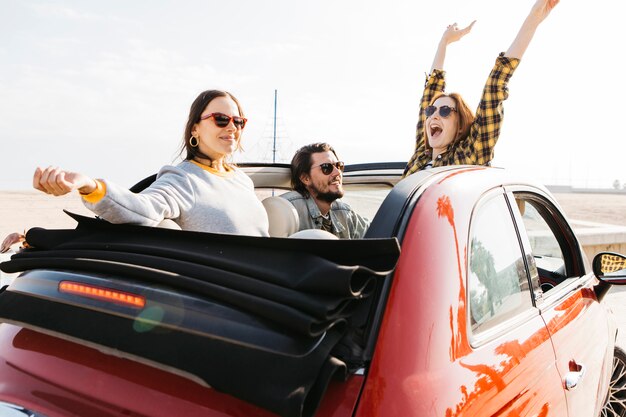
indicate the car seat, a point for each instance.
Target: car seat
{"x":313,"y":234}
{"x":282,"y":215}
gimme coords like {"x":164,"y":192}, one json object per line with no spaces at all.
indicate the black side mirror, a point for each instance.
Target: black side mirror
{"x":610,"y":267}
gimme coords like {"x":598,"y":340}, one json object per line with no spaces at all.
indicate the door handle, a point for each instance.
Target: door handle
{"x":572,"y":378}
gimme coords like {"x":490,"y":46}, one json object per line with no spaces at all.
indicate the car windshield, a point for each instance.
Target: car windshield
{"x":365,"y":199}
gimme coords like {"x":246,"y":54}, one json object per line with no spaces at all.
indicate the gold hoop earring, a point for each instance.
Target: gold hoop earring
{"x":193,"y":141}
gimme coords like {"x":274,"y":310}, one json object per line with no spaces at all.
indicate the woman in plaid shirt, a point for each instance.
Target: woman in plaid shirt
{"x":448,"y":133}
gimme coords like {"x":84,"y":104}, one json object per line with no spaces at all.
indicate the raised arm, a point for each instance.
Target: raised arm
{"x":452,"y":34}
{"x":55,"y":181}
{"x":485,"y":130}
{"x":540,"y":10}
{"x":435,"y":83}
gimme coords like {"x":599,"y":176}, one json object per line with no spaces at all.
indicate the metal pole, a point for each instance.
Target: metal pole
{"x":275,"y":103}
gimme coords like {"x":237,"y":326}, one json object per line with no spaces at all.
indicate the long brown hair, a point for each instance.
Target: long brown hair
{"x":464,"y":113}
{"x":197,"y":107}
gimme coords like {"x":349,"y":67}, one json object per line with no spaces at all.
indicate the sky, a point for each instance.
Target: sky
{"x":104,"y":87}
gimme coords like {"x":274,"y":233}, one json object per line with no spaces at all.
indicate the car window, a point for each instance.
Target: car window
{"x":552,"y":255}
{"x":497,"y":281}
{"x":545,"y":248}
{"x":365,"y":199}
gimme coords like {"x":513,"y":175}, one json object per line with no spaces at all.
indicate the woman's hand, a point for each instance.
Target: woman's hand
{"x":11,"y":240}
{"x":542,"y":9}
{"x":55,"y":181}
{"x":453,"y":33}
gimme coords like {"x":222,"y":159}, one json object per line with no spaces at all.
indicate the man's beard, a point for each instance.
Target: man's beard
{"x":328,"y":196}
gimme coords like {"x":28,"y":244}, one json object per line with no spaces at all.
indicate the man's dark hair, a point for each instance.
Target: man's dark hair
{"x":301,"y":164}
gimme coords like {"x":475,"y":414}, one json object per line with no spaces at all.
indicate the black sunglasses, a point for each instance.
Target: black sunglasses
{"x":222,"y":120}
{"x":444,"y":111}
{"x":327,"y":167}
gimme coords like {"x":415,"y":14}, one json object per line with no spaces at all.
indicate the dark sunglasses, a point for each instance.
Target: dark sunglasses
{"x":222,"y":120}
{"x":444,"y":111}
{"x":327,"y":167}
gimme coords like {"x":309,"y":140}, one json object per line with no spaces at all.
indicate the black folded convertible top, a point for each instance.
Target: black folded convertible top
{"x":273,"y":311}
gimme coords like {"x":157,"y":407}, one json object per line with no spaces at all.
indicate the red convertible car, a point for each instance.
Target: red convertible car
{"x":469,"y":296}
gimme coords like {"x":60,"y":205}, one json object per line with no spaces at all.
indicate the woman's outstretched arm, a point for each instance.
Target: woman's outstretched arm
{"x":540,"y":10}
{"x":452,"y":34}
{"x":55,"y":181}
{"x":435,"y":83}
{"x":485,"y":130}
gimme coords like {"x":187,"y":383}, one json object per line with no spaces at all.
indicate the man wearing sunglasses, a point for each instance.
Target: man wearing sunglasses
{"x":317,"y":180}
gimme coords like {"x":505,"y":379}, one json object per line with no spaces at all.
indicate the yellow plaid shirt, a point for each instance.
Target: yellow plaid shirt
{"x":612,"y":263}
{"x":477,"y":147}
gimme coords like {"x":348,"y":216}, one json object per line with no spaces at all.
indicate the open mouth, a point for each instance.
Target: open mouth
{"x":435,"y":131}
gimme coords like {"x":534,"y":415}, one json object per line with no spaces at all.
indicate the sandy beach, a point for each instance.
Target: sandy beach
{"x":598,"y":208}
{"x":21,"y":210}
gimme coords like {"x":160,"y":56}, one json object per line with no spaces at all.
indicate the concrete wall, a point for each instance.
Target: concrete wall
{"x":592,"y":250}
{"x":593,"y":237}
{"x":570,"y":189}
{"x":602,"y":239}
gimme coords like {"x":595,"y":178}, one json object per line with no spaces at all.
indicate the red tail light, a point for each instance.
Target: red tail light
{"x":104,"y":294}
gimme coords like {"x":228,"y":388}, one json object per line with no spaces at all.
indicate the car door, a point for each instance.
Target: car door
{"x":512,"y":352}
{"x":577,"y":322}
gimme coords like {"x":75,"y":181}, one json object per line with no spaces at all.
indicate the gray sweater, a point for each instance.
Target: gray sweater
{"x":195,"y":198}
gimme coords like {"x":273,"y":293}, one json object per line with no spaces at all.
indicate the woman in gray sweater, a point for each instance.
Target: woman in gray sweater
{"x":203,"y":193}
